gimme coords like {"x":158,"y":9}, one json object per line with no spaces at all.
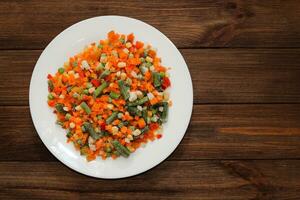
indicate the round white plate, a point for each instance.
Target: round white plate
{"x":72,"y":41}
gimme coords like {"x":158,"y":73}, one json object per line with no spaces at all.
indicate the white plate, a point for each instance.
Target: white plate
{"x":72,"y":41}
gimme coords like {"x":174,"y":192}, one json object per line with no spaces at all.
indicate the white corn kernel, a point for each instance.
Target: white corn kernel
{"x":166,"y":96}
{"x":91,"y":90}
{"x":76,"y":75}
{"x":91,"y":140}
{"x":136,"y":132}
{"x":114,"y":130}
{"x":130,"y":137}
{"x":133,"y":74}
{"x":110,"y":106}
{"x":152,"y":68}
{"x":150,"y":95}
{"x":78,"y":108}
{"x":127,"y":140}
{"x":66,"y":108}
{"x":121,"y":64}
{"x":139,"y":94}
{"x":132,"y":96}
{"x":71,"y":72}
{"x":85,"y":65}
{"x":61,"y":96}
{"x":139,"y":108}
{"x":123,"y":76}
{"x":107,"y":66}
{"x":72,"y":125}
{"x":149,"y":59}
{"x":125,"y":50}
{"x":161,"y":109}
{"x":92,"y":147}
{"x":128,"y":44}
{"x":120,"y":115}
{"x":118,"y":73}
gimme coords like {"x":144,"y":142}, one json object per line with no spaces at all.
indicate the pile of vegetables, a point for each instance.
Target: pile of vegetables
{"x":112,"y":97}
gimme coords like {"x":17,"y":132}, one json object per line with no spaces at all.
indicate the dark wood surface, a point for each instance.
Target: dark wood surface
{"x":243,"y":141}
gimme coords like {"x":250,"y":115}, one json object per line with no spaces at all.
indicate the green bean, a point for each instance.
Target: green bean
{"x":138,"y":102}
{"x":165,"y":111}
{"x":60,"y":108}
{"x":114,"y":95}
{"x":148,"y":64}
{"x":50,"y":96}
{"x":99,"y":89}
{"x":68,"y":116}
{"x":108,"y":150}
{"x":86,"y":91}
{"x":75,"y":64}
{"x":89,"y":85}
{"x":100,"y":67}
{"x":59,"y":123}
{"x":79,"y":141}
{"x":122,"y":150}
{"x":105,"y":74}
{"x":122,"y":40}
{"x":120,"y":125}
{"x":100,"y":46}
{"x":124,"y":89}
{"x":85,"y":107}
{"x":156,"y":79}
{"x":111,"y":118}
{"x":69,"y":134}
{"x":144,"y":115}
{"x":134,"y":111}
{"x":50,"y":85}
{"x":145,"y":130}
{"x":89,"y":128}
{"x":61,"y":70}
{"x":83,"y":150}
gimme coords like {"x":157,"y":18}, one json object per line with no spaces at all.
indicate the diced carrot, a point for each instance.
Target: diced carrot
{"x":141,"y":123}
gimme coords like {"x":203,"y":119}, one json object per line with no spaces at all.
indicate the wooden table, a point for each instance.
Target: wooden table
{"x":243,"y":141}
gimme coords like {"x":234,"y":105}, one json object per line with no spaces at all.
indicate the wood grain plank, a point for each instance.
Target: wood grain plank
{"x":231,"y":23}
{"x":194,"y":180}
{"x":218,"y":75}
{"x":215,"y":132}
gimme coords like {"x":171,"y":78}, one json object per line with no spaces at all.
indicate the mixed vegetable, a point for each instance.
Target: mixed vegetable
{"x":111,"y":98}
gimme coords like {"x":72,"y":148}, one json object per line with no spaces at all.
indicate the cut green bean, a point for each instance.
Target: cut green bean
{"x":165,"y":111}
{"x":138,"y":102}
{"x":114,"y":95}
{"x":50,"y":96}
{"x":111,"y":118}
{"x":99,"y":89}
{"x":100,"y":46}
{"x":85,"y":107}
{"x":60,"y":108}
{"x":68,"y":116}
{"x":122,"y":150}
{"x":145,"y":130}
{"x":144,"y":115}
{"x":89,"y":128}
{"x":50,"y":85}
{"x":75,"y":64}
{"x":134,"y":111}
{"x":61,"y":70}
{"x":156,"y":79}
{"x":105,"y":74}
{"x":69,"y":134}
{"x":124,"y":89}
